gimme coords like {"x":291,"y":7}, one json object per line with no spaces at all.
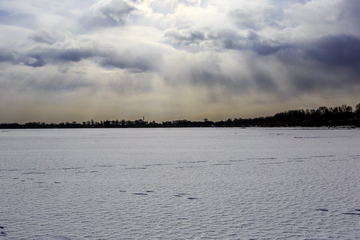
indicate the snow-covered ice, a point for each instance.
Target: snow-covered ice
{"x":205,"y":183}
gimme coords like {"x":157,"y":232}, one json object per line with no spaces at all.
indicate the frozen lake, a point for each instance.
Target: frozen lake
{"x":180,"y":184}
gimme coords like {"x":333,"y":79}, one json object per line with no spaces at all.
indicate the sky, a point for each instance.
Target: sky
{"x":76,"y":60}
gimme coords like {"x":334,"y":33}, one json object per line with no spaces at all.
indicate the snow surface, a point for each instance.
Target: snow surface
{"x":203,"y":183}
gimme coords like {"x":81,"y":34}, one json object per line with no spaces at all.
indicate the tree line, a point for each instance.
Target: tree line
{"x":331,"y":117}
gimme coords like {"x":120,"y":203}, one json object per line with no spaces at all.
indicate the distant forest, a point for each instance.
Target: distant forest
{"x":323,"y":116}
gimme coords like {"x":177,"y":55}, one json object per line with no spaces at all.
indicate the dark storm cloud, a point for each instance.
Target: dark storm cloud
{"x":337,"y":51}
{"x":105,"y":56}
{"x":331,"y":62}
{"x":39,"y":57}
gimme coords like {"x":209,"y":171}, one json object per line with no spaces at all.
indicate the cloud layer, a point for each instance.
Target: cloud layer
{"x":170,"y":59}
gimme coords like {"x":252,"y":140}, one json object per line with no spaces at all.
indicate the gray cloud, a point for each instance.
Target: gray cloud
{"x":216,"y":52}
{"x":266,"y":17}
{"x":184,"y":37}
{"x":350,"y":10}
{"x":6,"y":56}
{"x":47,"y":37}
{"x":113,"y":13}
{"x":116,"y":9}
{"x":126,"y":61}
{"x":96,"y":22}
{"x":287,"y":3}
{"x":169,"y":6}
{"x":224,"y":39}
{"x":189,"y":2}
